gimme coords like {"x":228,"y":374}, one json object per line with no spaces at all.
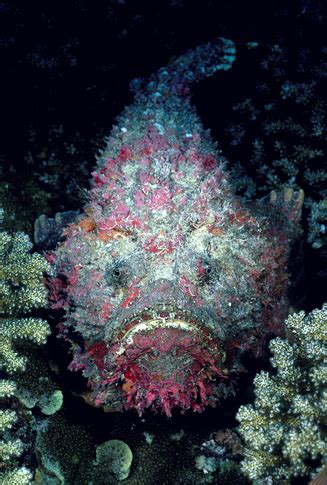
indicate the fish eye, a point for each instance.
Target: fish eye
{"x":205,"y":270}
{"x":116,"y":274}
{"x":207,"y":266}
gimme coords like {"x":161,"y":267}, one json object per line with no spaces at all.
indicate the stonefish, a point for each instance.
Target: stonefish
{"x":167,"y":276}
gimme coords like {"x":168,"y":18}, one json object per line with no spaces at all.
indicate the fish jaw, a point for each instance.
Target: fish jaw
{"x":160,"y":364}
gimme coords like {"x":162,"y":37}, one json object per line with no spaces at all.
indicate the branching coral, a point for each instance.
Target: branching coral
{"x":277,"y":136}
{"x":21,"y":276}
{"x":283,"y":430}
{"x":21,"y":476}
{"x":21,"y":291}
{"x":13,"y":330}
{"x":10,"y":447}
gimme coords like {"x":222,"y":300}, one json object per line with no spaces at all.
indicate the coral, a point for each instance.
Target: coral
{"x":219,"y":457}
{"x":7,"y":418}
{"x":35,"y":386}
{"x":21,"y":476}
{"x":21,"y":277}
{"x":230,"y":440}
{"x":15,"y":330}
{"x":277,"y":136}
{"x":51,"y":404}
{"x":208,"y":464}
{"x":64,"y":451}
{"x":21,"y":291}
{"x":318,"y":224}
{"x":9,"y":446}
{"x":114,"y":456}
{"x":67,"y":452}
{"x":166,"y":277}
{"x":283,"y":429}
{"x":7,"y":388}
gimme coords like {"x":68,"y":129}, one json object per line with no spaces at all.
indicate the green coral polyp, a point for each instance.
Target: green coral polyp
{"x":35,"y":386}
{"x":51,"y":404}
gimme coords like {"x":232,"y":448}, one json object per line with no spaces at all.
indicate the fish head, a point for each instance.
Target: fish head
{"x":159,"y":288}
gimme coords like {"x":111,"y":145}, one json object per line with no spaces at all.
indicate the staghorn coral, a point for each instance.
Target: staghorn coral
{"x":21,"y":291}
{"x":283,"y":429}
{"x":9,"y":447}
{"x":16,"y":330}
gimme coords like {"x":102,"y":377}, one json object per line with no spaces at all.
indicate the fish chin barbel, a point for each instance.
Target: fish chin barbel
{"x":166,"y":276}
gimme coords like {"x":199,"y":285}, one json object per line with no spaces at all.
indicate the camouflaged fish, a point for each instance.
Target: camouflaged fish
{"x":167,"y":276}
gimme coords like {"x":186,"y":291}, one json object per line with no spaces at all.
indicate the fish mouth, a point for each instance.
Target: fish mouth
{"x":154,"y":318}
{"x":165,"y":358}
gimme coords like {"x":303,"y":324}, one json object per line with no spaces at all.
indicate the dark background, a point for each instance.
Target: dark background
{"x":71,"y":61}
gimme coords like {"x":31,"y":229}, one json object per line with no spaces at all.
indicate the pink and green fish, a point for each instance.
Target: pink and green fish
{"x":168,"y":276}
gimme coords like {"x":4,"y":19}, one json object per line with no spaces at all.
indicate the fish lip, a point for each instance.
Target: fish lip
{"x":151,"y":318}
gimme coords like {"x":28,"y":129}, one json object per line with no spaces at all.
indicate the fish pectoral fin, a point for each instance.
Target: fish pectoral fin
{"x":289,"y":202}
{"x":49,"y":231}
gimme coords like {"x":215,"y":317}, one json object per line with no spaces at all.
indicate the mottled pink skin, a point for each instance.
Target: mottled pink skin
{"x":167,"y":276}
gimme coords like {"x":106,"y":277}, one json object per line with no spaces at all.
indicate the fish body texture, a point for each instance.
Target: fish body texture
{"x":167,"y":277}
